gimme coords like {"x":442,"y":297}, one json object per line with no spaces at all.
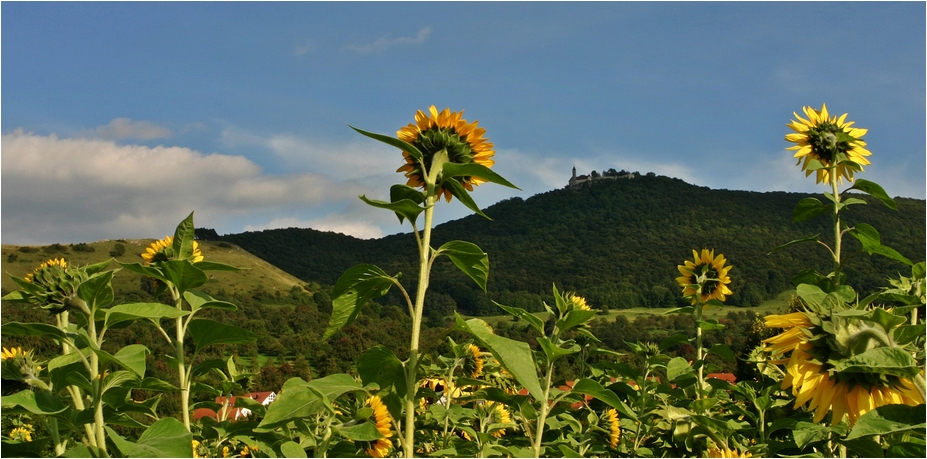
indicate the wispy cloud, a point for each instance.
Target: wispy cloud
{"x":304,"y":47}
{"x":386,"y":42}
{"x":125,"y":128}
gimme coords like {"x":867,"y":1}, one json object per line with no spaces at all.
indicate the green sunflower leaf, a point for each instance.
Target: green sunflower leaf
{"x":872,"y":243}
{"x":200,"y":300}
{"x":554,"y":352}
{"x":474,"y":170}
{"x":379,"y":365}
{"x":393,"y":141}
{"x":807,"y":209}
{"x":469,"y":258}
{"x":889,"y":419}
{"x":135,"y":311}
{"x":594,"y":389}
{"x":365,"y":431}
{"x":515,"y":356}
{"x":184,"y":235}
{"x":875,"y":190}
{"x":207,"y":332}
{"x":462,"y":195}
{"x":165,"y":438}
{"x":404,"y":208}
{"x":793,"y":242}
{"x":42,"y":402}
{"x":884,"y":360}
{"x":183,"y":274}
{"x":213,"y":266}
{"x":522,"y":314}
{"x":358,"y":285}
{"x":33,"y":329}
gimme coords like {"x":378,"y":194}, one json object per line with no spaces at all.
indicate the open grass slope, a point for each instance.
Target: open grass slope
{"x":256,"y":275}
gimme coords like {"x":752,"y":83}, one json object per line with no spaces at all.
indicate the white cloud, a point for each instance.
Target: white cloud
{"x":304,"y":47}
{"x":125,"y":128}
{"x":384,"y":43}
{"x":76,"y":189}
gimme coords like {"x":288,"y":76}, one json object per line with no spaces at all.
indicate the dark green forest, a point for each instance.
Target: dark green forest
{"x":615,"y":242}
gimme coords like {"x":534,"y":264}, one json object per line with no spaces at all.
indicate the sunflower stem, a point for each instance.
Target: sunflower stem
{"x":838,"y":235}
{"x":698,"y":344}
{"x":408,"y":446}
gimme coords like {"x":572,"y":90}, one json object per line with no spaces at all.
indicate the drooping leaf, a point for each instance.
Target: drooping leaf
{"x":200,"y":300}
{"x":132,"y":358}
{"x":165,"y":438}
{"x":358,"y":285}
{"x":41,"y":402}
{"x":807,"y":209}
{"x":522,"y":314}
{"x":451,"y":169}
{"x":206,"y":332}
{"x":793,"y":242}
{"x":554,"y":352}
{"x":134,"y":311}
{"x":404,"y":208}
{"x":469,"y":258}
{"x":885,"y":360}
{"x":380,"y":366}
{"x":594,"y":389}
{"x":723,"y":351}
{"x":889,"y":419}
{"x":514,"y":355}
{"x":393,"y":141}
{"x":462,"y":195}
{"x":365,"y":431}
{"x":292,"y":449}
{"x":33,"y":329}
{"x":869,"y":237}
{"x":875,"y":190}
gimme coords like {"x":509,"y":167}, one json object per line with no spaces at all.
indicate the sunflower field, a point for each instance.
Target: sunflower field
{"x":837,"y":374}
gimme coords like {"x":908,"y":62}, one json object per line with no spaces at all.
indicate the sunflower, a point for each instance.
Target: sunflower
{"x":12,"y":352}
{"x":445,"y":131}
{"x":473,"y":363}
{"x":54,"y":262}
{"x":724,"y":452}
{"x":829,"y":140}
{"x":814,"y":382}
{"x":499,"y":415}
{"x":383,"y":421}
{"x":22,"y":433}
{"x":574,"y":301}
{"x":163,"y":250}
{"x":614,"y":428}
{"x":705,"y":278}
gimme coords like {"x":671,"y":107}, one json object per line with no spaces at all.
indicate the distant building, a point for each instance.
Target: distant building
{"x":234,"y":413}
{"x":577,"y":181}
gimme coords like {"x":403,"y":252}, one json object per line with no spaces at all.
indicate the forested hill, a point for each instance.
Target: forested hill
{"x":616,"y":242}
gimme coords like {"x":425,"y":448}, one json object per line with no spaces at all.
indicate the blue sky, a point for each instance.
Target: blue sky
{"x":118,"y":119}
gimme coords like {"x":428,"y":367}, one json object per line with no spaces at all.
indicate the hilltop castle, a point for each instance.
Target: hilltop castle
{"x":611,"y":174}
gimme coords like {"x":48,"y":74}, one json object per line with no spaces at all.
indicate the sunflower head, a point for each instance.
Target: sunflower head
{"x":53,"y":284}
{"x":383,"y":421}
{"x":613,"y":427}
{"x":705,"y":277}
{"x":164,"y":250}
{"x":724,"y":452}
{"x":444,"y":137}
{"x":495,"y":414}
{"x":21,"y":433}
{"x":843,"y":361}
{"x":830,"y":141}
{"x":473,"y":361}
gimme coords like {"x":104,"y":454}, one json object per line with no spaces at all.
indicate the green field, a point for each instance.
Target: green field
{"x":773,"y":306}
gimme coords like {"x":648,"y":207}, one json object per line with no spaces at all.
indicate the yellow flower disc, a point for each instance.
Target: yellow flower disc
{"x":383,"y":421}
{"x":705,"y":273}
{"x":824,"y":138}
{"x":448,"y":131}
{"x":574,"y":301}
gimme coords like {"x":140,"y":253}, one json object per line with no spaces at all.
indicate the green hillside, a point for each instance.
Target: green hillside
{"x":615,"y":242}
{"x":258,"y":274}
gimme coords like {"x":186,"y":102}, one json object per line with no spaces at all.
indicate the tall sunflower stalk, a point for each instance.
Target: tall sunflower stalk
{"x":704,"y":280}
{"x":445,"y":156}
{"x":842,"y":355}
